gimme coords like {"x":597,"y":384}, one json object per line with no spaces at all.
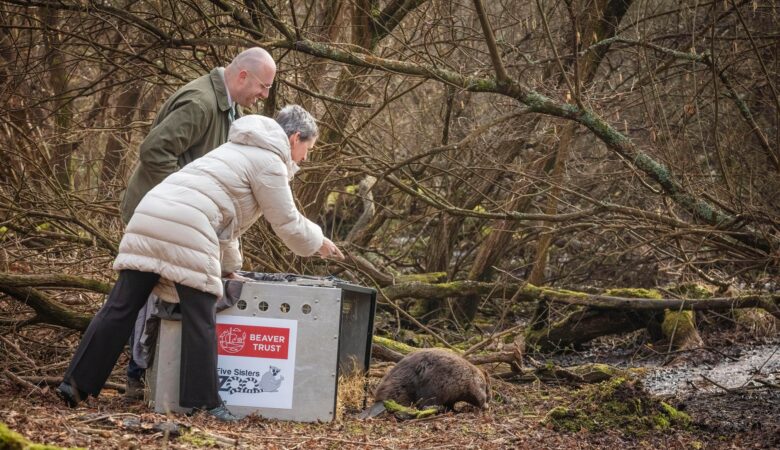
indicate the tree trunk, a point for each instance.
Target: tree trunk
{"x":60,"y":160}
{"x":599,"y":21}
{"x":119,"y":140}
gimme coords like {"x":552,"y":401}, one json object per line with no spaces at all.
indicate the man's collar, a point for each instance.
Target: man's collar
{"x":220,"y":88}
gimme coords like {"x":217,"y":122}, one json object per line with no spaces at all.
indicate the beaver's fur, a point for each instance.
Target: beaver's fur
{"x":434,"y":377}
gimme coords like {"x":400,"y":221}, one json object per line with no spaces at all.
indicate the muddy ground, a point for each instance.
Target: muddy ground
{"x":740,"y":413}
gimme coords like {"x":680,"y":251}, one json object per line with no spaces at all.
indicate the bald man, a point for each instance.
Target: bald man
{"x":194,"y":121}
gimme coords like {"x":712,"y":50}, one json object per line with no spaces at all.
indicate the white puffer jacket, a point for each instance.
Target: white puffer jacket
{"x":186,"y":228}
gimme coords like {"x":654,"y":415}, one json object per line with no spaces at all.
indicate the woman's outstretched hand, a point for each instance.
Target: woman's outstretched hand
{"x":329,"y":250}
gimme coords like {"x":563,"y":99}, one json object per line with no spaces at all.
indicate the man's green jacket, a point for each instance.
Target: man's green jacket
{"x":191,"y":123}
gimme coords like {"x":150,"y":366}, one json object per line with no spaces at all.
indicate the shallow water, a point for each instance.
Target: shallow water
{"x":736,"y":368}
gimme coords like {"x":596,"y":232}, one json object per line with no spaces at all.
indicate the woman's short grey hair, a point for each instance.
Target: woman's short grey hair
{"x":293,"y":118}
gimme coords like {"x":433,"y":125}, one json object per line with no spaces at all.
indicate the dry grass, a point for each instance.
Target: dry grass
{"x":353,"y":393}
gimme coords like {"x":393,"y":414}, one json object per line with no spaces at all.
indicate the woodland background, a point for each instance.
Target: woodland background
{"x":479,"y":161}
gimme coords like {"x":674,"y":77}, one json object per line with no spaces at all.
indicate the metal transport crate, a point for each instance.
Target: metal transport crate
{"x":282,"y":347}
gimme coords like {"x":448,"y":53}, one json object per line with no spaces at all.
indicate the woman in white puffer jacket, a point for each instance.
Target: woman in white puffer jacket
{"x":183,"y":238}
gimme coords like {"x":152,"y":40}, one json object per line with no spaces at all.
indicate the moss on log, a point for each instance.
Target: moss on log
{"x":757,"y":322}
{"x":11,"y":440}
{"x":596,"y":373}
{"x":634,"y":293}
{"x":634,"y":299}
{"x":395,"y":346}
{"x":618,"y":403}
{"x":382,"y":353}
{"x":432,"y":277}
{"x":48,"y":310}
{"x":679,"y":327}
{"x":408,"y":412}
{"x":53,"y":280}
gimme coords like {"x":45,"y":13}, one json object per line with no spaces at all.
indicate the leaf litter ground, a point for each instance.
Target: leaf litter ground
{"x":745,"y":417}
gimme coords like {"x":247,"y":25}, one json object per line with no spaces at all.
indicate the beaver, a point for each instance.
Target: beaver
{"x":431,"y":377}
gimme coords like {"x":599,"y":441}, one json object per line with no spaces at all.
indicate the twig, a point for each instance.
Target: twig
{"x":97,"y":431}
{"x":325,"y":97}
{"x":491,"y":338}
{"x":717,"y":384}
{"x":16,"y":378}
{"x":18,"y":350}
{"x":220,"y":439}
{"x":498,"y":357}
{"x":54,"y":381}
{"x":106,"y":416}
{"x":767,"y":383}
{"x":569,"y":84}
{"x":714,"y":350}
{"x":315,"y":438}
{"x":417,"y":322}
{"x":490,"y":40}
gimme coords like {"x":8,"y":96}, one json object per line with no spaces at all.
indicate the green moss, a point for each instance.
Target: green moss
{"x":198,"y":439}
{"x":618,"y":403}
{"x":595,"y":373}
{"x":678,"y":323}
{"x":11,"y":440}
{"x":355,"y":428}
{"x":676,"y":416}
{"x":332,"y":198}
{"x":418,"y":308}
{"x":393,"y":345}
{"x":431,"y":277}
{"x":634,"y":293}
{"x":538,"y":291}
{"x":661,"y":422}
{"x":408,"y":412}
{"x":691,"y":290}
{"x":562,"y":418}
{"x":680,"y":326}
{"x":481,"y":85}
{"x":757,"y":321}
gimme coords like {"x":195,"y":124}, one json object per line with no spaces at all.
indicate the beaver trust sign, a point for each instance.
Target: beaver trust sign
{"x":256,"y":363}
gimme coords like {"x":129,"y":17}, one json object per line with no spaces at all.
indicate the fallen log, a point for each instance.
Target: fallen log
{"x":531,"y":293}
{"x":383,"y":353}
{"x":19,"y":287}
{"x":47,"y":310}
{"x":584,"y":325}
{"x":53,"y":280}
{"x":677,"y":327}
{"x":387,"y":349}
{"x":765,"y":301}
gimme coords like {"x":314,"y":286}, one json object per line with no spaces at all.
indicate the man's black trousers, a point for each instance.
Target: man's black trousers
{"x":109,"y":330}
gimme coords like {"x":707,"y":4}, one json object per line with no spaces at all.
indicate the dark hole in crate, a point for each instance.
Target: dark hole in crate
{"x":306,"y":308}
{"x":241,"y":304}
{"x":262,"y":306}
{"x":285,"y":307}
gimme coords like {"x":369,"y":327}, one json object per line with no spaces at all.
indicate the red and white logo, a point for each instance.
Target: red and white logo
{"x":253,"y":341}
{"x":231,"y":339}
